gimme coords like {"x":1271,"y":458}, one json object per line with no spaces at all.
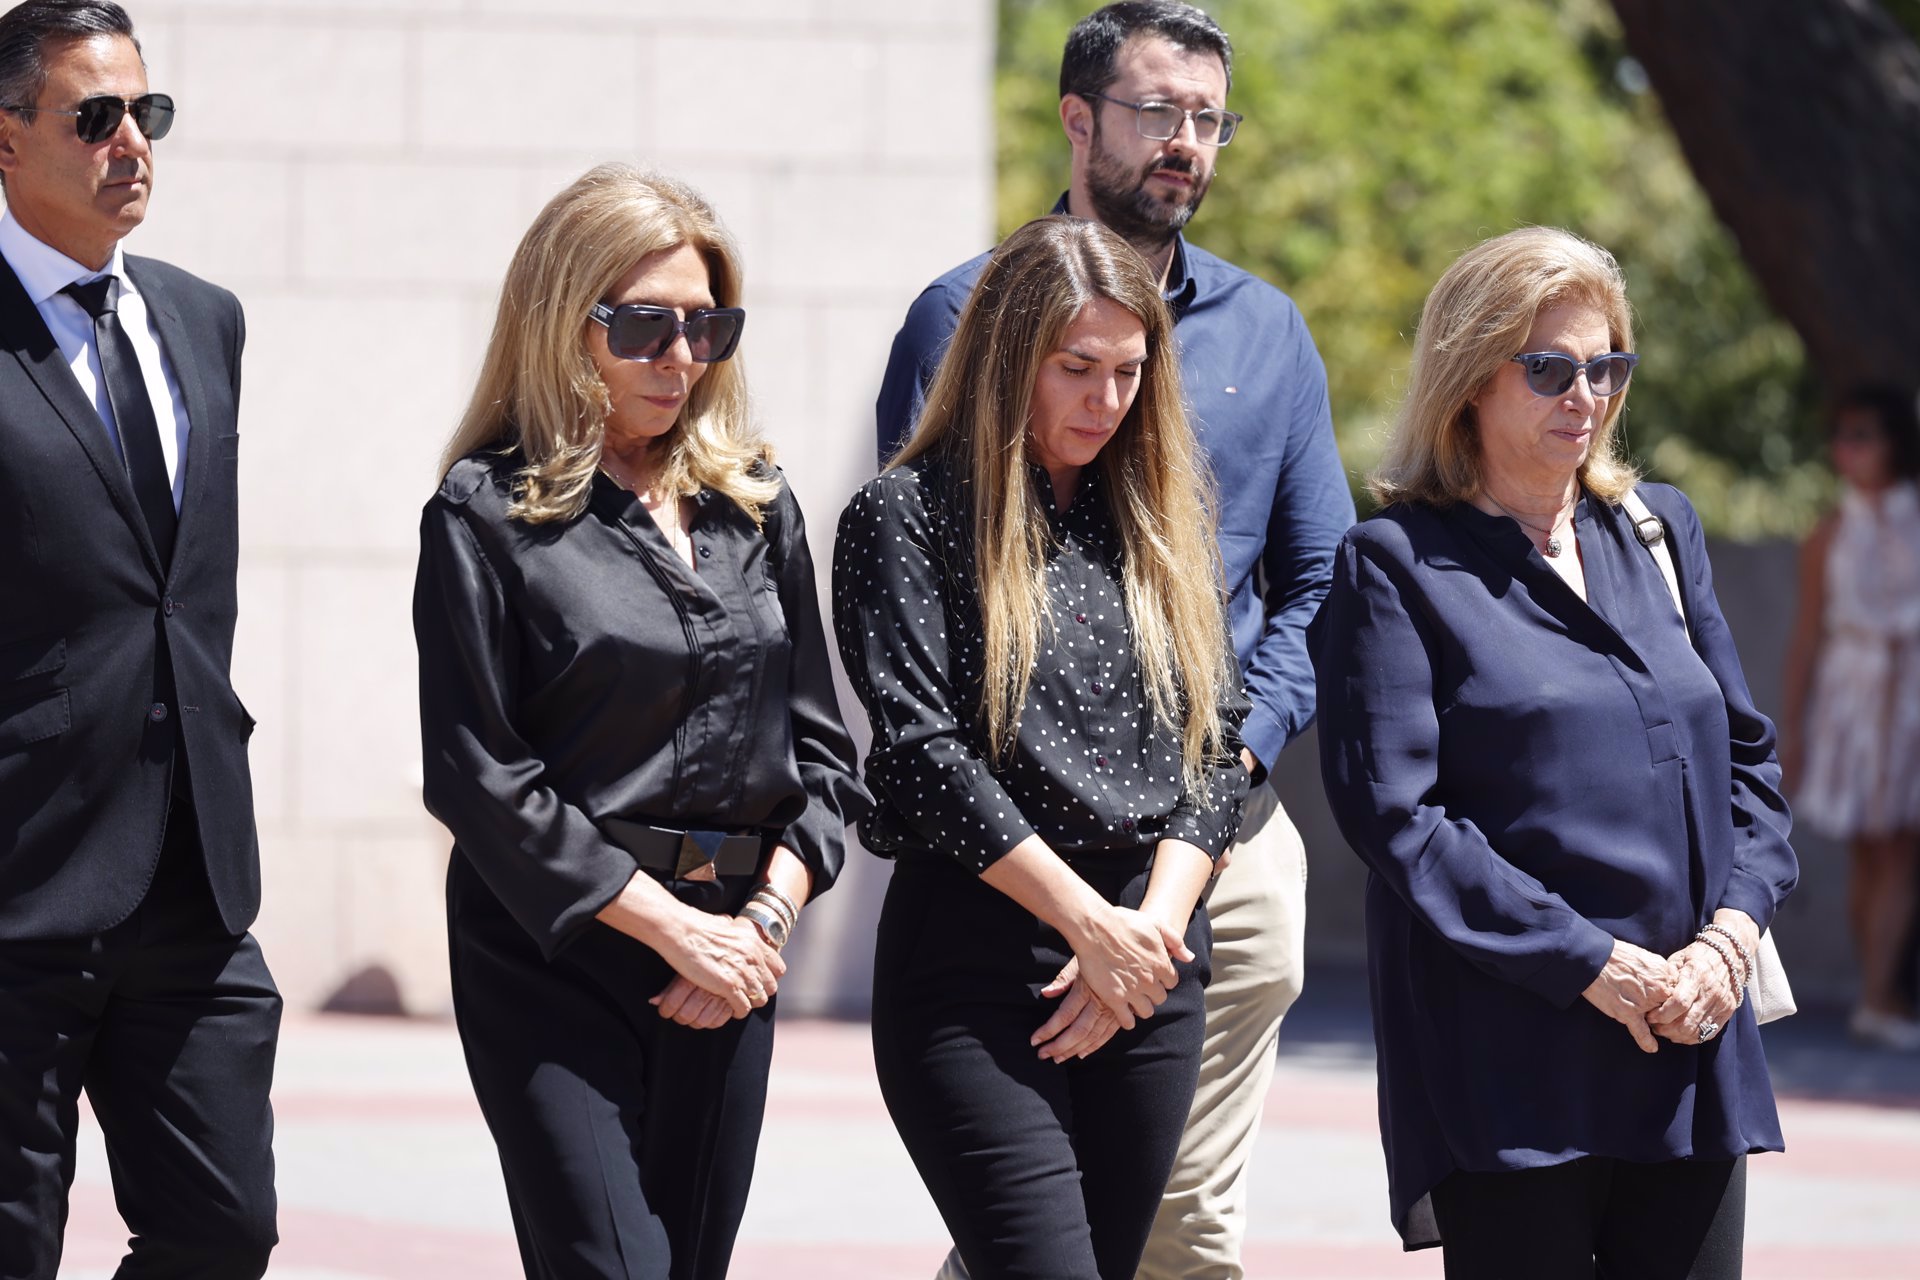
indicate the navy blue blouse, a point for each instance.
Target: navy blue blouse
{"x":1530,"y":776}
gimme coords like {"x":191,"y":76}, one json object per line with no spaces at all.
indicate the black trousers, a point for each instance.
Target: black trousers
{"x":1042,"y":1170}
{"x":627,"y":1141}
{"x":169,"y":1024}
{"x":1596,"y":1219}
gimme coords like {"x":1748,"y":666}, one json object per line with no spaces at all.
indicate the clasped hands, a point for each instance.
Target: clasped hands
{"x":723,"y":969}
{"x":1121,"y":971}
{"x":1676,"y":997}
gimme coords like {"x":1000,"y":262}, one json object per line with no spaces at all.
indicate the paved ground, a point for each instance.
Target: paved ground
{"x":387,"y":1171}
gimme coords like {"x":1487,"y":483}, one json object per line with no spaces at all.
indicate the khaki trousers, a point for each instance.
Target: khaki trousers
{"x":1258,"y":907}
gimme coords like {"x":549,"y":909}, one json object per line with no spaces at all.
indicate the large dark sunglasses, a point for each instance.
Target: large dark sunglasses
{"x":96,"y":118}
{"x":1549,"y":373}
{"x":636,"y":331}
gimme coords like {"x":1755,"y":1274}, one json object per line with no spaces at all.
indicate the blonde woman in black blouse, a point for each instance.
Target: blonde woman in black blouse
{"x":629,"y":726}
{"x":1027,"y":601}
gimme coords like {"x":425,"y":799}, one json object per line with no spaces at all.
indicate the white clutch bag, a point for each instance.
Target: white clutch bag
{"x":1772,"y":998}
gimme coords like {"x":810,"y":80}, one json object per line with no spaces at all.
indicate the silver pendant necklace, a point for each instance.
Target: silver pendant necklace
{"x":1553,"y":545}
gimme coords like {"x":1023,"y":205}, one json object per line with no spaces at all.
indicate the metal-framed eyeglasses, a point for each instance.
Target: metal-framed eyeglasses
{"x":1161,"y":121}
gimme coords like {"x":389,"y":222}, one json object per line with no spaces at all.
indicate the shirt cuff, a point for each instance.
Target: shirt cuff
{"x":1747,"y":892}
{"x":1564,"y":978}
{"x":610,"y":877}
{"x":1265,"y":736}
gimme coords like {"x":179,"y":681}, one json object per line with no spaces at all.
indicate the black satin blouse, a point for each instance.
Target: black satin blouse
{"x":575,"y":672}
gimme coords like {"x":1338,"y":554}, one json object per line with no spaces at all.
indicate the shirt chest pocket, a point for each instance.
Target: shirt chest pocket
{"x":770,"y":616}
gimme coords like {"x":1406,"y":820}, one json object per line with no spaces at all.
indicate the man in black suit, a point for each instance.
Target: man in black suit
{"x":129,"y":868}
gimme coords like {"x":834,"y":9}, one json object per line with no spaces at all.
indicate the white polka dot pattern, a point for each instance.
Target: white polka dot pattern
{"x":1089,"y":770}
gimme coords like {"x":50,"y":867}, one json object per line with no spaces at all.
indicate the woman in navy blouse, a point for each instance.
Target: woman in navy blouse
{"x":1028,"y":602}
{"x":1567,"y":798}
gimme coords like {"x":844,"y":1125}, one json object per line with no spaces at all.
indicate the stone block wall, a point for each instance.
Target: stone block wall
{"x":359,"y":172}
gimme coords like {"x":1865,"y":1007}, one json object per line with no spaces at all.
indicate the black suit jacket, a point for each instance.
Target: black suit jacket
{"x":110,"y":662}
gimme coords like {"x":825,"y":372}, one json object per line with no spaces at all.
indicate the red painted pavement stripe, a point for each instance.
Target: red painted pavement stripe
{"x":1830,"y":1262}
{"x":402,"y":1251}
{"x":322,"y":1241}
{"x":437,"y":1108}
{"x":1822,"y":1155}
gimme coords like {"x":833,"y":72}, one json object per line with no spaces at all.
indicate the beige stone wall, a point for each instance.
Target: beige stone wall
{"x":358,"y":171}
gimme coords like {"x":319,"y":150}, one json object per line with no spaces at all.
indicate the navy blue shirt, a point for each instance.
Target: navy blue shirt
{"x":1258,"y":393}
{"x":1530,"y":776}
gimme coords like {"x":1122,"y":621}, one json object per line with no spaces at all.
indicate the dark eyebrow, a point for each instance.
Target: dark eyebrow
{"x":682,"y":305}
{"x":1081,"y":355}
{"x":1173,"y":100}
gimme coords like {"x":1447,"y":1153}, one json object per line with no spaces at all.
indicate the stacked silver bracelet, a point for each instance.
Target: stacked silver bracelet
{"x":1711,"y":936}
{"x":1746,"y":956}
{"x":773,"y":913}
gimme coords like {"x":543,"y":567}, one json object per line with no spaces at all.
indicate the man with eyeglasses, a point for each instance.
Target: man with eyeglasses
{"x":1143,"y":90}
{"x":129,"y":869}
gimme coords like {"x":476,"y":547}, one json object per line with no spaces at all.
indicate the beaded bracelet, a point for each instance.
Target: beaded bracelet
{"x":1725,"y":953}
{"x":1746,"y":955}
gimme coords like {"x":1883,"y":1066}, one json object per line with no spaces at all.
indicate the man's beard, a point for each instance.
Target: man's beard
{"x":1121,"y":199}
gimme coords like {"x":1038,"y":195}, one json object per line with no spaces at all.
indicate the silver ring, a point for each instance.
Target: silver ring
{"x":1708,"y":1029}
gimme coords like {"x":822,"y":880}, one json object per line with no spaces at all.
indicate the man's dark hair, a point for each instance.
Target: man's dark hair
{"x":1093,"y":45}
{"x":25,"y":31}
{"x":1898,"y":412}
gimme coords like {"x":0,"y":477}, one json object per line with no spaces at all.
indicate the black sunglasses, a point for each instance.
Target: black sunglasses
{"x":1550,"y":373}
{"x":636,"y":331}
{"x":96,"y":118}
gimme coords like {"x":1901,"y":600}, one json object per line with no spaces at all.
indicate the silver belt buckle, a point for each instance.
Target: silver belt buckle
{"x":698,"y":849}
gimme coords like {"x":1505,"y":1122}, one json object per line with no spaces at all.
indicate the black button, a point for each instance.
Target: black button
{"x":1079,"y":617}
{"x":1126,"y":824}
{"x":1101,"y":761}
{"x":706,"y":553}
{"x":166,"y":606}
{"x":157,"y":712}
{"x":1098,"y":687}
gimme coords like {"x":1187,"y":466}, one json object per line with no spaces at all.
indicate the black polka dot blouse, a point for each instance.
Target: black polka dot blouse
{"x":1090,"y":769}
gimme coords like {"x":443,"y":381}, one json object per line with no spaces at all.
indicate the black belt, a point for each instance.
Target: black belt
{"x":683,"y":853}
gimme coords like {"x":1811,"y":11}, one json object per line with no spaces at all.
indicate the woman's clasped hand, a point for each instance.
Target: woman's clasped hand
{"x":1686,"y":997}
{"x":723,"y":969}
{"x":1126,"y":974}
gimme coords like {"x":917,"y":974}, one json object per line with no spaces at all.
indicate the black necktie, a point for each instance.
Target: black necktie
{"x":132,"y":409}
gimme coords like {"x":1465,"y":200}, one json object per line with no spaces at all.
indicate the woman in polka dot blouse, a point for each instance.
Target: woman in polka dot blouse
{"x":1028,"y":605}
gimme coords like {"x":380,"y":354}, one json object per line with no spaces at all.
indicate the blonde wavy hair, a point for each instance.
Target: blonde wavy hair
{"x":1477,"y":319}
{"x":539,"y":393}
{"x":976,"y":418}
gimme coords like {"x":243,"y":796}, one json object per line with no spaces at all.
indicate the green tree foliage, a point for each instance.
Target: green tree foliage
{"x":1383,"y":137}
{"x":1906,"y":13}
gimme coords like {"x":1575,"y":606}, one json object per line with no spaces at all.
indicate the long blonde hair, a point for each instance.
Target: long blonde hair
{"x":538,"y":391}
{"x":1476,"y":319}
{"x":976,"y":417}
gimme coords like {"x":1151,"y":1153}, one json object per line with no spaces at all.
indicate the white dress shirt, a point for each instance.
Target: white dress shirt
{"x":44,"y":271}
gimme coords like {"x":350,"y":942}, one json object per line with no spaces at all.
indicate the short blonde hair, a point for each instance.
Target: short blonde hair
{"x":539,"y":392}
{"x":1477,"y":319}
{"x":977,"y":417}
